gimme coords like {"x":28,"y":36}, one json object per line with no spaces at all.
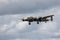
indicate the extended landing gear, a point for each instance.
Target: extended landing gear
{"x":29,"y":23}
{"x":37,"y":22}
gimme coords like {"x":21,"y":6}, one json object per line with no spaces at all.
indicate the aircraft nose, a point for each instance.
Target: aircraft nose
{"x":22,"y":19}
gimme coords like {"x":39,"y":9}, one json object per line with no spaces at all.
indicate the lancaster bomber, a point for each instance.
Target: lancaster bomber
{"x":39,"y":19}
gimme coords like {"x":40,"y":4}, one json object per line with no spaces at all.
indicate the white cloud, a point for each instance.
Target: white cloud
{"x":21,"y":25}
{"x":49,"y":26}
{"x":11,"y":23}
{"x":10,"y":28}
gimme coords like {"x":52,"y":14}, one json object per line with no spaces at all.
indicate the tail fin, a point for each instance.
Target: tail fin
{"x":51,"y":18}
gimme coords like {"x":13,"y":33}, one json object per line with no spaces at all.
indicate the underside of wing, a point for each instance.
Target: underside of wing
{"x":48,"y":16}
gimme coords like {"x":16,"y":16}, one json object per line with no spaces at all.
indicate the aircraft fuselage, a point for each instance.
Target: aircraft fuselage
{"x":40,"y":19}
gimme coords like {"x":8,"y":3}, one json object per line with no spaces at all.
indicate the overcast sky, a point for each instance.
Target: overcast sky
{"x":12,"y":28}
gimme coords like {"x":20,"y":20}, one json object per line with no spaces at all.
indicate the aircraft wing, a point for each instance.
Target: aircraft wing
{"x":48,"y":16}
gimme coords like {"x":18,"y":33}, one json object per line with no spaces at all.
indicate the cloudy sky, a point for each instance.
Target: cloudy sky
{"x":12,"y":28}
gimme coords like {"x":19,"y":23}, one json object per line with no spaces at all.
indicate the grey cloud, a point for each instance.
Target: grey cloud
{"x":26,"y":6}
{"x":33,"y":32}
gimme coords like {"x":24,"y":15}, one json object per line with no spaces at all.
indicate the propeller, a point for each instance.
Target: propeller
{"x":20,"y":19}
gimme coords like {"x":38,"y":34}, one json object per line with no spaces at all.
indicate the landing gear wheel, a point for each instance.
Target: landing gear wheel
{"x":37,"y":22}
{"x":29,"y":23}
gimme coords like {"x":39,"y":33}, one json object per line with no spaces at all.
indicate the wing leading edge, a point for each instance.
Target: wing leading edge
{"x":48,"y":16}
